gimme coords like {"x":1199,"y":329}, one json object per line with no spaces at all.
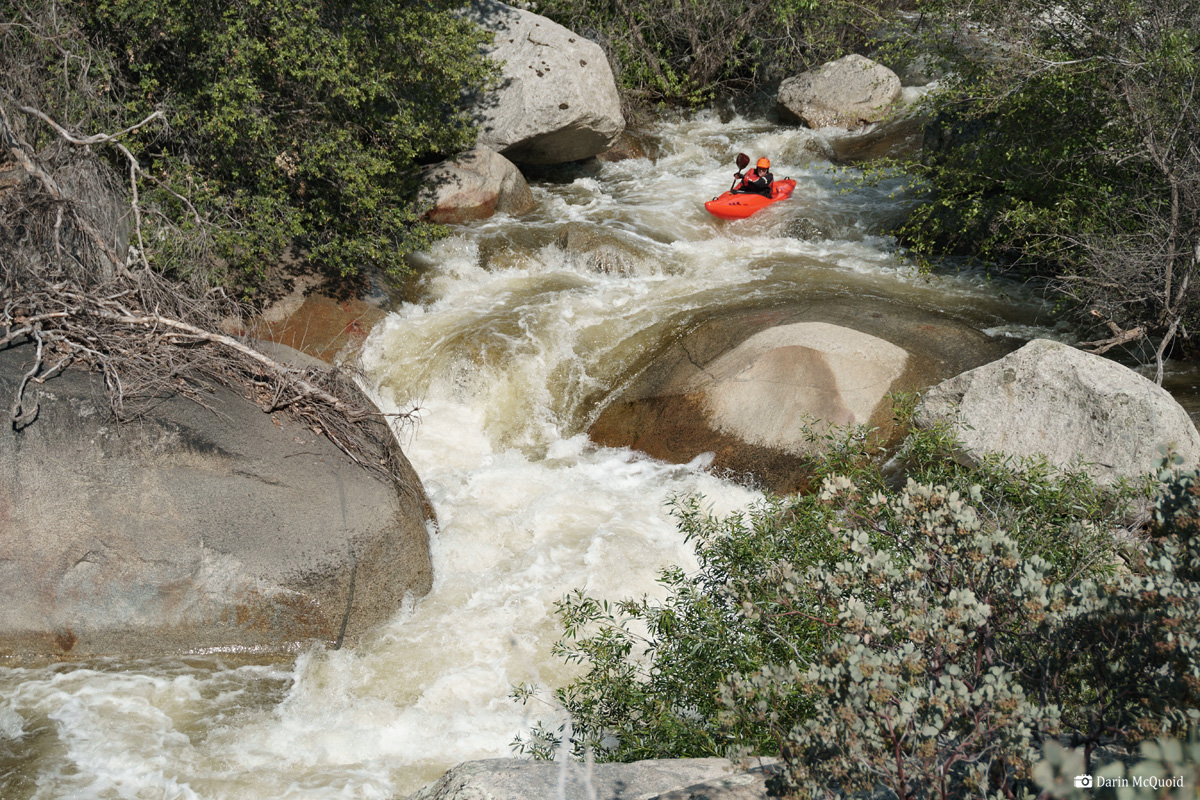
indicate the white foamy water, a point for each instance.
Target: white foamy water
{"x":508,"y":348}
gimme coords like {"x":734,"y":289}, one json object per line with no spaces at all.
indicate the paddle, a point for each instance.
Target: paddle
{"x":743,"y":161}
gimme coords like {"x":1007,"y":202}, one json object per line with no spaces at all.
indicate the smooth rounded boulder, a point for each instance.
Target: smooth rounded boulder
{"x":759,"y":389}
{"x":1075,"y":409}
{"x":474,"y":185}
{"x":850,"y":92}
{"x":556,"y":101}
{"x":196,"y":528}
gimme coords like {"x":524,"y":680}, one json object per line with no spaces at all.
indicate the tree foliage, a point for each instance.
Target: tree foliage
{"x":287,"y":121}
{"x":1069,"y":149}
{"x":660,"y":678}
{"x":686,"y":52}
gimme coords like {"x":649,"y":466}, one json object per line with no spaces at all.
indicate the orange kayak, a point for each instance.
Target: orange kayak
{"x":740,"y":206}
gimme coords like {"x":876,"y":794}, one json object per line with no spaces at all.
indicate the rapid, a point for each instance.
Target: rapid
{"x":507,"y":345}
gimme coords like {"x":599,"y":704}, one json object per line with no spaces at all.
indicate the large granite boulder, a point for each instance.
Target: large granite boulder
{"x":1074,"y":408}
{"x":557,"y":100}
{"x":474,"y":185}
{"x":214,"y":527}
{"x":519,"y":779}
{"x":758,"y":389}
{"x":850,"y":92}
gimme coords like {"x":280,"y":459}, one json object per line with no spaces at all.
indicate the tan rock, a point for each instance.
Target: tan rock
{"x":475,"y":185}
{"x":850,"y":92}
{"x":1052,"y":400}
{"x":757,"y":388}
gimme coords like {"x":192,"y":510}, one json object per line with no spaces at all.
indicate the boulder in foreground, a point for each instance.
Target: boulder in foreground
{"x":520,"y":779}
{"x":217,"y":528}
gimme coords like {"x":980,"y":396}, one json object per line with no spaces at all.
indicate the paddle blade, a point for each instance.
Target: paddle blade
{"x":743,"y":160}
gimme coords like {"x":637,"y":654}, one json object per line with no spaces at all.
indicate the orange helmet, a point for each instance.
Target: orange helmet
{"x":764,"y":163}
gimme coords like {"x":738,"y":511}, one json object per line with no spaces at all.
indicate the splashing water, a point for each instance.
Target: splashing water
{"x":509,"y":346}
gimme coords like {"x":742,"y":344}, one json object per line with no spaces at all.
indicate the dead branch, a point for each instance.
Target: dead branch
{"x":70,"y":296}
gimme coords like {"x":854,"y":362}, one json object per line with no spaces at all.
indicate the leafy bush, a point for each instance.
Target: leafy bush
{"x":293,"y":121}
{"x":956,"y":657}
{"x":652,"y":670}
{"x":917,"y":692}
{"x":1065,"y":150}
{"x":687,"y":52}
{"x":653,"y":674}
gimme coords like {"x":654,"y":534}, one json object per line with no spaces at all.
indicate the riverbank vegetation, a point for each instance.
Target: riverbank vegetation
{"x":923,"y":627}
{"x":1069,"y":151}
{"x":248,"y":128}
{"x":161,"y":160}
{"x":688,"y":54}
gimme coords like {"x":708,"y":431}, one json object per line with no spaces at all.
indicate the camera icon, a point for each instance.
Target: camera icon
{"x":1083,"y":781}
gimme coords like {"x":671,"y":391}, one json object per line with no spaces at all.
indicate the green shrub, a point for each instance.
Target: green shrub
{"x":917,"y":692}
{"x":686,"y":52}
{"x":293,"y":121}
{"x":1062,"y":152}
{"x":654,"y":673}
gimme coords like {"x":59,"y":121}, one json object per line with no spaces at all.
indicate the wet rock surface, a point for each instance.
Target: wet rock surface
{"x":758,"y":389}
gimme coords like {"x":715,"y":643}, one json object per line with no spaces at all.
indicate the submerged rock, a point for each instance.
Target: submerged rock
{"x":520,"y":779}
{"x":196,"y":528}
{"x":474,"y":185}
{"x":889,"y":139}
{"x":1073,"y":408}
{"x":759,"y":390}
{"x":600,"y":249}
{"x":850,"y":92}
{"x":557,"y":100}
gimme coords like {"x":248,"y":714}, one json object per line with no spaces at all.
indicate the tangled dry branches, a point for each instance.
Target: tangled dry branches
{"x":68,"y":293}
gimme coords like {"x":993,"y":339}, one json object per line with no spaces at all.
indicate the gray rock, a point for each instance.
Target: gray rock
{"x":748,"y":785}
{"x":518,"y":779}
{"x":600,"y":249}
{"x":557,"y":100}
{"x":750,"y":387}
{"x":1049,"y":399}
{"x":475,"y":185}
{"x":850,"y":92}
{"x":193,"y":529}
{"x":889,"y":139}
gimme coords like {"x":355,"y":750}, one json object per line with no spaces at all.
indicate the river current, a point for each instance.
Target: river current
{"x":508,"y":345}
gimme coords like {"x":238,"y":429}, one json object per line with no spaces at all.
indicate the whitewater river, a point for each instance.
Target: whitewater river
{"x":508,"y":346}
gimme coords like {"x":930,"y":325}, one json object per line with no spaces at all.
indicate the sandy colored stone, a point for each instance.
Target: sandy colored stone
{"x":475,"y":185}
{"x":768,"y":390}
{"x":556,"y":100}
{"x":850,"y":92}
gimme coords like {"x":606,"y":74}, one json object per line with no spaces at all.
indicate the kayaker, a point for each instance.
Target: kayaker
{"x":757,"y":180}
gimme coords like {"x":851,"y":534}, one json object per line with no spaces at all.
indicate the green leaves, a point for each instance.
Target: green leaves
{"x":1062,"y":153}
{"x":307,"y":120}
{"x":929,"y":639}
